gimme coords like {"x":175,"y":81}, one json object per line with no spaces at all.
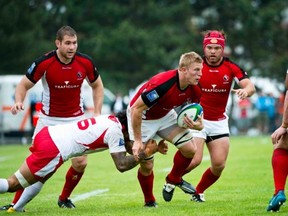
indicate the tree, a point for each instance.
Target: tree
{"x":257,"y":32}
{"x":133,"y":40}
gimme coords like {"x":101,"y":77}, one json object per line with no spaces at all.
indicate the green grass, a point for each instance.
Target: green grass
{"x":244,"y":188}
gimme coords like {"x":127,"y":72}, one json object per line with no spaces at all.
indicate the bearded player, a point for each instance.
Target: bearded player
{"x":218,"y":76}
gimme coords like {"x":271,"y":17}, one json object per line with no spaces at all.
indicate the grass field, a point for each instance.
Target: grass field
{"x":244,"y":188}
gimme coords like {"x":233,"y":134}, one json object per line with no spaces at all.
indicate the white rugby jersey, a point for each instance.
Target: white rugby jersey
{"x":88,"y":135}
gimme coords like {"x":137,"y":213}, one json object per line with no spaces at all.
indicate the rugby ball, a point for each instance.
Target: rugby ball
{"x":191,"y":110}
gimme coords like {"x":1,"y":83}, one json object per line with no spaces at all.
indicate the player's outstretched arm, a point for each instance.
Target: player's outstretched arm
{"x":20,"y":94}
{"x":123,"y":162}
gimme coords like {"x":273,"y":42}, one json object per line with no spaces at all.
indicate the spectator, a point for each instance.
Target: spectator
{"x":271,"y":112}
{"x":262,"y":116}
{"x":244,"y":121}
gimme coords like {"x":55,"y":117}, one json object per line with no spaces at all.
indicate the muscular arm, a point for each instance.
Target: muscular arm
{"x":20,"y":94}
{"x":248,"y":86}
{"x":285,"y":113}
{"x":136,"y":120}
{"x":123,"y":162}
{"x":282,"y":130}
{"x":98,"y":95}
{"x":247,"y":89}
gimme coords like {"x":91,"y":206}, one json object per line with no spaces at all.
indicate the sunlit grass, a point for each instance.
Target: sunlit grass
{"x":244,"y":188}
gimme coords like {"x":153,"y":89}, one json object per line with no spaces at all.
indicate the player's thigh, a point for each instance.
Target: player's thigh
{"x":189,"y":149}
{"x":219,"y":150}
{"x":26,"y":173}
{"x":200,"y":142}
{"x":181,"y":138}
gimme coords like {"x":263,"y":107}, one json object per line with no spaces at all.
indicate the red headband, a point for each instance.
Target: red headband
{"x":214,"y":37}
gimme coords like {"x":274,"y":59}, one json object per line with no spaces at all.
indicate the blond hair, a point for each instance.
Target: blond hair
{"x":187,"y":59}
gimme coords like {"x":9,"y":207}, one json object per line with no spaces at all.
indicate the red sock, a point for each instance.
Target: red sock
{"x":17,"y":195}
{"x":179,"y":167}
{"x":280,"y":168}
{"x":72,"y":179}
{"x":208,"y":178}
{"x":146,"y":183}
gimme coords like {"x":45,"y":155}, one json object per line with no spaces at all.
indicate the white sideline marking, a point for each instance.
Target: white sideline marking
{"x":89,"y":194}
{"x":4,"y":158}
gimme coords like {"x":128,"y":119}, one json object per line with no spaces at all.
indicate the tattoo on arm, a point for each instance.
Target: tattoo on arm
{"x":123,"y":162}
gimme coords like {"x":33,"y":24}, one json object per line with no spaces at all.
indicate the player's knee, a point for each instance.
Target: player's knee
{"x":79,"y":164}
{"x":13,"y":185}
{"x":16,"y":182}
{"x":146,"y":167}
{"x":217,"y":168}
{"x":195,"y":162}
{"x":189,"y":149}
{"x":282,"y":143}
{"x":79,"y":167}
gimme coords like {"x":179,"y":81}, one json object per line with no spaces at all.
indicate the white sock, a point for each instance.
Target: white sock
{"x":28,"y":194}
{"x":3,"y":186}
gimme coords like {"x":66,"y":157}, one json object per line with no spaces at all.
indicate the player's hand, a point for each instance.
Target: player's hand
{"x":150,"y":149}
{"x":241,"y":93}
{"x":195,"y":125}
{"x":137,"y":148}
{"x":162,"y":147}
{"x":278,"y":133}
{"x":17,"y":107}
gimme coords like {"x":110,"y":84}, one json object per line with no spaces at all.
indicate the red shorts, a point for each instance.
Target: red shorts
{"x":45,"y":157}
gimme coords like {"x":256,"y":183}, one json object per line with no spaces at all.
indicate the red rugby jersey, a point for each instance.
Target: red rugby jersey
{"x":62,"y":83}
{"x":162,"y":93}
{"x":216,"y":83}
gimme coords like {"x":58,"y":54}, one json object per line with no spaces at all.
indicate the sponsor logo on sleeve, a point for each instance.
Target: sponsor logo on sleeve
{"x":152,"y":96}
{"x":121,"y":142}
{"x":31,"y":68}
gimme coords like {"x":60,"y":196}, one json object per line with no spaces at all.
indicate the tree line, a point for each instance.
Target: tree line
{"x":131,"y":40}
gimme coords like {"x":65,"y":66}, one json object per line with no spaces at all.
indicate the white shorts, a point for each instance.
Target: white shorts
{"x":149,"y":128}
{"x":212,"y":128}
{"x":50,"y":121}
